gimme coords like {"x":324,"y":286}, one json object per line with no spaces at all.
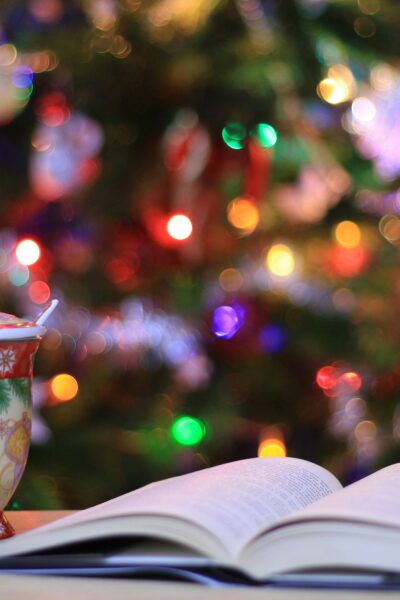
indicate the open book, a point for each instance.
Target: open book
{"x":258,"y":517}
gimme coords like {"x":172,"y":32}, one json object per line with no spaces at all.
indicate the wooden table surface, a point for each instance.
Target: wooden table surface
{"x":39,"y":587}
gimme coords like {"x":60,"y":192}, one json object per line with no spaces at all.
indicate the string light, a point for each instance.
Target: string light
{"x":188,"y":431}
{"x":64,"y":387}
{"x":180,"y":227}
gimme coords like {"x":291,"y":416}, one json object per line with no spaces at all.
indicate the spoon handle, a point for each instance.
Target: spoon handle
{"x":46,"y":312}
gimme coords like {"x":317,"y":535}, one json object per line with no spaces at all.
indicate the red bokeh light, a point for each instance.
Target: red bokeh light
{"x":52,"y":109}
{"x":39,"y":292}
{"x":348,"y":262}
{"x":351,"y":380}
{"x":327,"y":378}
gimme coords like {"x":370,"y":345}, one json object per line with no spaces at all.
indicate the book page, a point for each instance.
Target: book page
{"x":234,"y":502}
{"x":374,"y":499}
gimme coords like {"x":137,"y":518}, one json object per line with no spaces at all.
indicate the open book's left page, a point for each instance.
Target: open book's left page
{"x":233,"y":502}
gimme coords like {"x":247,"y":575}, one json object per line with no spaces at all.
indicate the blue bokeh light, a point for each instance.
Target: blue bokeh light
{"x":22,"y":76}
{"x":272,"y":338}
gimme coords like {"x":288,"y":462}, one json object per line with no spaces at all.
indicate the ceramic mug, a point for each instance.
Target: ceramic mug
{"x":19,"y":341}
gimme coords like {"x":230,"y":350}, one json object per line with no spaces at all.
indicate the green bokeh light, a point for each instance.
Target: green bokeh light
{"x":233,"y":135}
{"x":23,"y":93}
{"x":188,"y":431}
{"x":266,"y":135}
{"x":19,"y":275}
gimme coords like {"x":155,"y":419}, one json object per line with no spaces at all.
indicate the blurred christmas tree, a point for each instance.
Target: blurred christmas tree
{"x":211,"y":189}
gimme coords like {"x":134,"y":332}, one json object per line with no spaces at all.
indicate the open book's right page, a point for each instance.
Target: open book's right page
{"x":374,"y":499}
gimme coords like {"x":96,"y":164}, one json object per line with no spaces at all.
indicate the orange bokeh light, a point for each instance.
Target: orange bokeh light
{"x":64,"y":387}
{"x":272,"y":448}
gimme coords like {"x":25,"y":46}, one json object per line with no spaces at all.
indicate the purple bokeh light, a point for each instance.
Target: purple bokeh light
{"x":226,"y":321}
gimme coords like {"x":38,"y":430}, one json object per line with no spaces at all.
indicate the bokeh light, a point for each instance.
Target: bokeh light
{"x":347,"y":234}
{"x":188,"y":430}
{"x":338,"y":86}
{"x":272,"y":448}
{"x":39,"y":292}
{"x":364,"y":27}
{"x":18,"y":275}
{"x":27,"y":252}
{"x":22,"y":76}
{"x":280,"y":260}
{"x":363,"y":109}
{"x":333,"y":91}
{"x":365,"y":429}
{"x":179,"y":227}
{"x":389,"y":227}
{"x":8,"y":55}
{"x":231,"y":280}
{"x":348,"y":262}
{"x":351,"y":380}
{"x":52,"y":109}
{"x":234,"y":135}
{"x":266,"y":135}
{"x":272,"y":338}
{"x":225,"y":322}
{"x":243,"y":214}
{"x":327,"y":377}
{"x":64,"y":387}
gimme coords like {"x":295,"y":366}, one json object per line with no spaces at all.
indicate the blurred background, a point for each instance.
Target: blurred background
{"x":211,"y":189}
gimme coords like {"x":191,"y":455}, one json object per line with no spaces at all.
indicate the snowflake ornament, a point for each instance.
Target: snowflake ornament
{"x":8,"y":359}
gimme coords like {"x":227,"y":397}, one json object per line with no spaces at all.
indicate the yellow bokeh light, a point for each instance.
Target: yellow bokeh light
{"x":333,"y":91}
{"x":343,"y":73}
{"x":243,"y":214}
{"x":8,"y":55}
{"x":389,"y":227}
{"x":272,"y":448}
{"x":383,"y":77}
{"x":347,"y":234}
{"x":338,"y":86}
{"x":64,"y":387}
{"x":231,"y":280}
{"x":365,"y":430}
{"x":27,"y":252}
{"x":180,"y":227}
{"x":280,"y":260}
